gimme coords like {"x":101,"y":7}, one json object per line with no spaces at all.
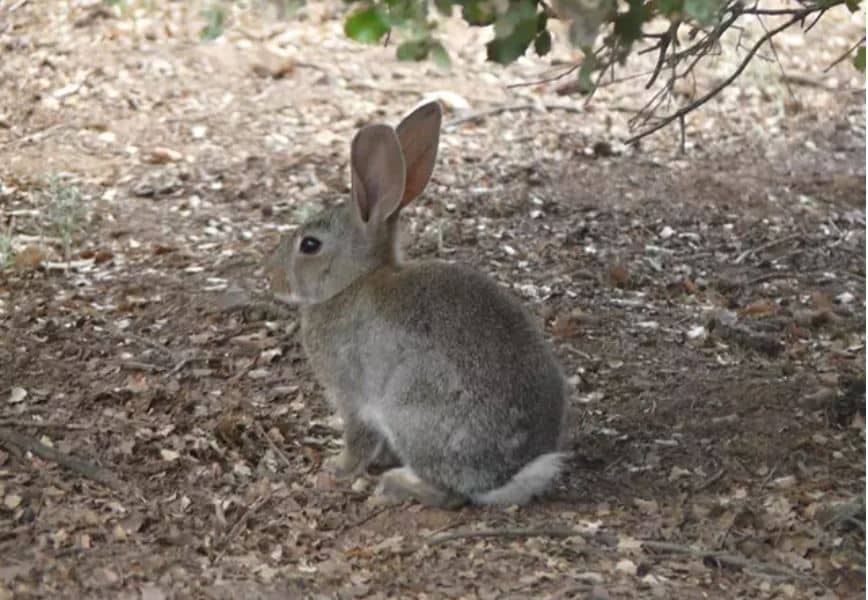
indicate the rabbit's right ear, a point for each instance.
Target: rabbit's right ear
{"x":419,"y":134}
{"x":378,"y":173}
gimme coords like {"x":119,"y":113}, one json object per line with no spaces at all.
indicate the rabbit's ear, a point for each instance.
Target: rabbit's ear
{"x":378,"y":173}
{"x":419,"y":133}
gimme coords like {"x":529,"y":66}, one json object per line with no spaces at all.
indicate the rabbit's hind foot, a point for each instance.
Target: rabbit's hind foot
{"x":402,"y":484}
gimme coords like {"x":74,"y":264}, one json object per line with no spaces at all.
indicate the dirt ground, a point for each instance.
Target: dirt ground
{"x":708,"y":309}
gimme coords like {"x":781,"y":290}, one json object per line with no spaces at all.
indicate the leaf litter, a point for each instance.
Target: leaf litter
{"x":166,"y":435}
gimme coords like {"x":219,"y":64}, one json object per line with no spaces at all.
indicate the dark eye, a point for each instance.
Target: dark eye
{"x":309,"y":245}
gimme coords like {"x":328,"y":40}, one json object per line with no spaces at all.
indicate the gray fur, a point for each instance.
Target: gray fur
{"x":432,"y":363}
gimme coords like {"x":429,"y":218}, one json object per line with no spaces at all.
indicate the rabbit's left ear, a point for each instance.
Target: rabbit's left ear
{"x":419,"y":134}
{"x":378,"y":173}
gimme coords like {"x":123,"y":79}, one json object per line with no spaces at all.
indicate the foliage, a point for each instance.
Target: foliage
{"x":679,"y":32}
{"x":66,"y":210}
{"x":607,"y":32}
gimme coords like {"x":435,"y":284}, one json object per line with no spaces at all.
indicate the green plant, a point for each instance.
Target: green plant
{"x":66,"y":210}
{"x":215,"y":21}
{"x":5,"y":250}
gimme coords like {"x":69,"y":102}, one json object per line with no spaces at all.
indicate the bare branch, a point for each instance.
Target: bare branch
{"x":844,"y":55}
{"x":797,"y":17}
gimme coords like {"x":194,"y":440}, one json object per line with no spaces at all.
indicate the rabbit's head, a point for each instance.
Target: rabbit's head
{"x":337,"y":246}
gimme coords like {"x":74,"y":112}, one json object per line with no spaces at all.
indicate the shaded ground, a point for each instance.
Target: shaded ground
{"x":708,"y":310}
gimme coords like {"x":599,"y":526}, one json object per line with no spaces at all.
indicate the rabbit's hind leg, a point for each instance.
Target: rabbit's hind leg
{"x":398,"y":485}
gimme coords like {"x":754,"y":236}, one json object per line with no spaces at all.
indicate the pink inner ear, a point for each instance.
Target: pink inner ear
{"x":360,"y":197}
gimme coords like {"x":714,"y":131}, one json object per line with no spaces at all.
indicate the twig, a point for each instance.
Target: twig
{"x":726,"y":82}
{"x":239,"y":524}
{"x":766,"y":246}
{"x":710,"y":481}
{"x":546,"y":80}
{"x":725,"y":559}
{"x":135,"y":365}
{"x":777,"y":59}
{"x":845,"y":55}
{"x":549,"y":532}
{"x":143,"y":340}
{"x":766,"y":277}
{"x":371,"y":515}
{"x":479,"y":116}
{"x":44,"y":424}
{"x":76,"y":465}
{"x":663,"y":44}
{"x":277,"y":451}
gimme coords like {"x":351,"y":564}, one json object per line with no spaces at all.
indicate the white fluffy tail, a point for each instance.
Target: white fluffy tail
{"x":532,"y":479}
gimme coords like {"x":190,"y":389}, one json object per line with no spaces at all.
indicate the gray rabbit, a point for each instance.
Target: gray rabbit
{"x":433,"y":367}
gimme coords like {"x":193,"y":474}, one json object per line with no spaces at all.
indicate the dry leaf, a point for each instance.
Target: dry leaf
{"x":17,"y":395}
{"x":169,"y":455}
{"x":760,"y":308}
{"x":30,"y":258}
{"x":160,"y":155}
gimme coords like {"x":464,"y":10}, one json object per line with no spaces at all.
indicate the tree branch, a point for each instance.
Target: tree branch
{"x":798,"y":16}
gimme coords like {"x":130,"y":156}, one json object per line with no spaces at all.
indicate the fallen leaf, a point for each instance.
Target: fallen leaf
{"x":759,"y":308}
{"x":17,"y":395}
{"x":30,"y":258}
{"x":160,"y":155}
{"x":152,"y":592}
{"x":169,"y":455}
{"x":626,"y":566}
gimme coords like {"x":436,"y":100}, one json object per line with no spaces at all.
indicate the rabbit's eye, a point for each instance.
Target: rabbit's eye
{"x":309,"y":245}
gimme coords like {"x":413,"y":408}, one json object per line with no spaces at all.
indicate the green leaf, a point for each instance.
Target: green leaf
{"x":859,"y":59}
{"x":542,"y":21}
{"x":543,"y":43}
{"x":444,"y":7}
{"x":704,"y":11}
{"x":215,"y":20}
{"x":628,"y":25}
{"x":440,"y":56}
{"x":514,"y":32}
{"x":668,"y":8}
{"x":589,"y":65}
{"x":413,"y":50}
{"x":368,"y":25}
{"x":478,"y":13}
{"x":853,"y":5}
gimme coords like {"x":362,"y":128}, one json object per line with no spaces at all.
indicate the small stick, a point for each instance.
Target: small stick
{"x":487,"y":113}
{"x":371,"y":515}
{"x":44,"y":424}
{"x":143,"y":340}
{"x":727,"y":560}
{"x":710,"y":481}
{"x":766,"y":246}
{"x":134,"y":365}
{"x":502,"y":109}
{"x":845,"y":55}
{"x":76,"y":465}
{"x":277,"y":451}
{"x":549,"y":532}
{"x":241,"y":522}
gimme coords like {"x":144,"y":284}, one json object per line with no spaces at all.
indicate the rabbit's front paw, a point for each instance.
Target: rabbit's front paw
{"x":343,"y":465}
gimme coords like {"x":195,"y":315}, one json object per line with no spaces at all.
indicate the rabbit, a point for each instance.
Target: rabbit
{"x":435,"y":369}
